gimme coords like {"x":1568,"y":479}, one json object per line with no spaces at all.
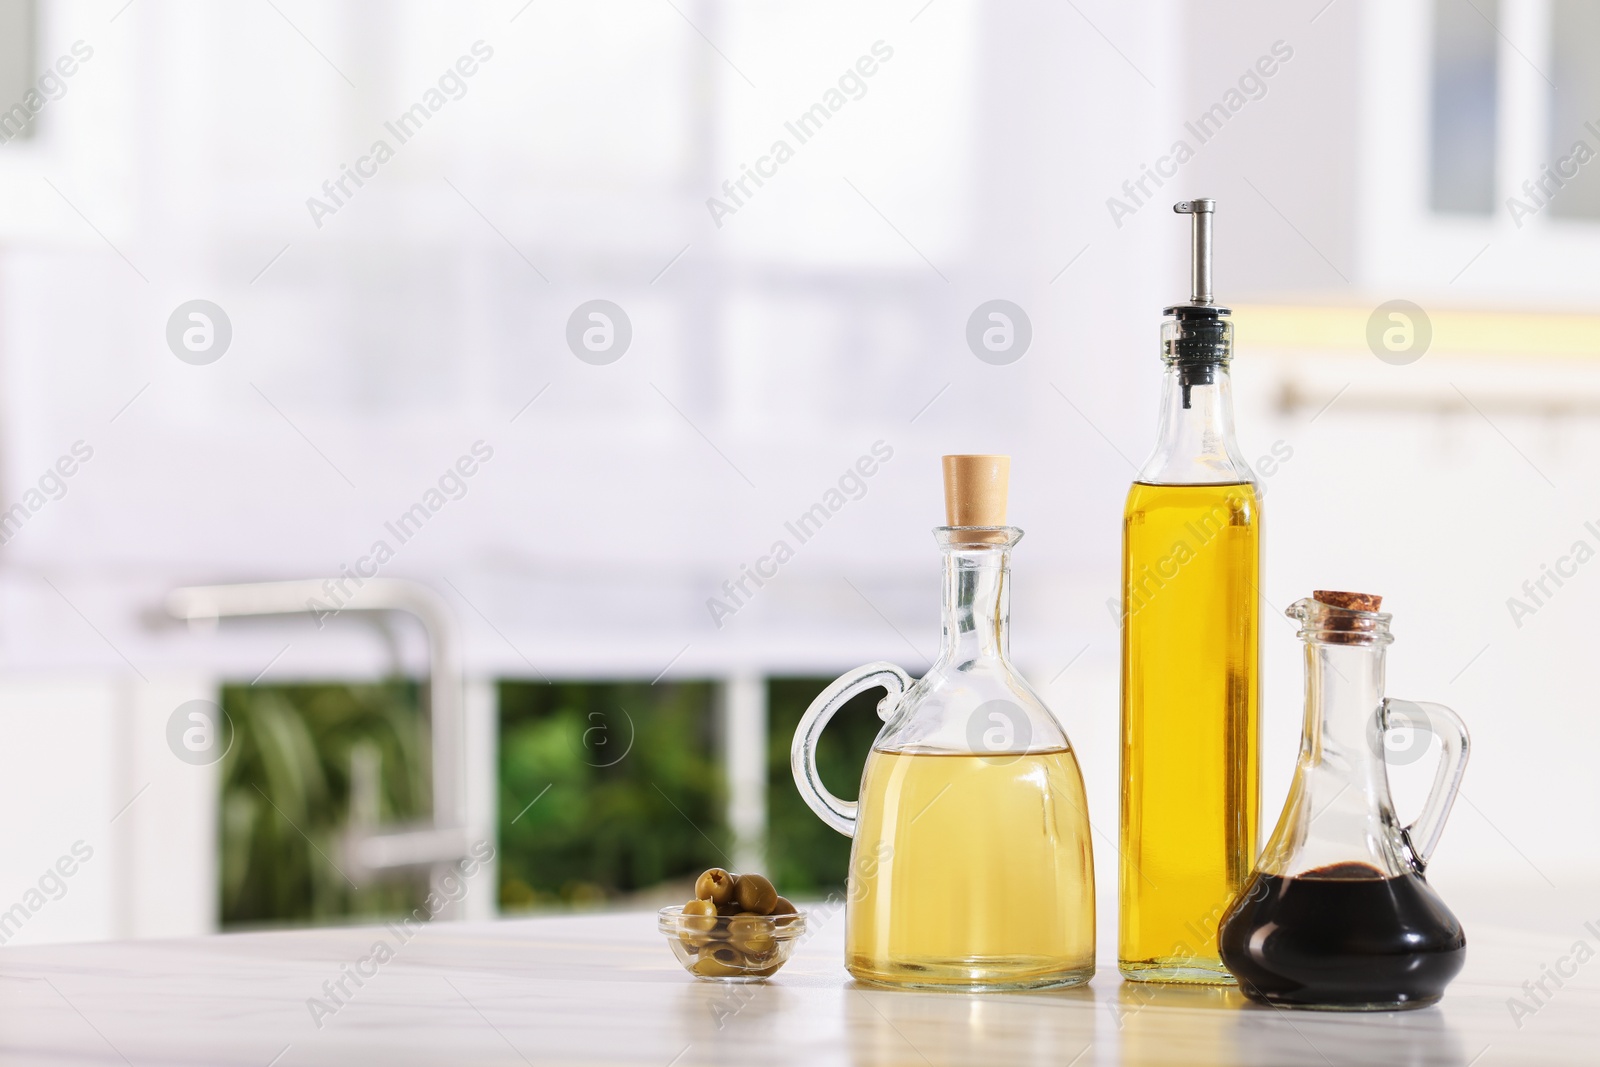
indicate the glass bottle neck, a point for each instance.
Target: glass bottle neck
{"x":1338,"y":821}
{"x":1196,"y":443}
{"x":1344,"y":686}
{"x":977,"y":603}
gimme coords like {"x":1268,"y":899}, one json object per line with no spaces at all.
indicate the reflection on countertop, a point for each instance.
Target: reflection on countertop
{"x":604,"y":988}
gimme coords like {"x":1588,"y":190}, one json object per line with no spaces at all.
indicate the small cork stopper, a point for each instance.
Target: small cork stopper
{"x":1348,"y":629}
{"x":1348,"y":601}
{"x":975,"y":490}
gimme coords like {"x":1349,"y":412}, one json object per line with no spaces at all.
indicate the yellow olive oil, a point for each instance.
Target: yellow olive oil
{"x":1190,"y":723}
{"x":971,"y":871}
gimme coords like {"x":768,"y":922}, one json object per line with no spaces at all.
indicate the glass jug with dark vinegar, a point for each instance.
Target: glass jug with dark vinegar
{"x":1338,"y":914}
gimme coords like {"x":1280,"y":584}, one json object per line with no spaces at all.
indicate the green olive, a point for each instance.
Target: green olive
{"x":720,"y":961}
{"x":727,"y":955}
{"x":752,"y":934}
{"x":784,"y":908}
{"x":730,"y":908}
{"x":756,"y":894}
{"x":699,"y":917}
{"x":711,"y":967}
{"x":715,"y":885}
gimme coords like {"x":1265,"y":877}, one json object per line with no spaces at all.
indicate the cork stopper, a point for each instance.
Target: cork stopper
{"x":1343,"y":629}
{"x":975,"y":490}
{"x":1348,"y":601}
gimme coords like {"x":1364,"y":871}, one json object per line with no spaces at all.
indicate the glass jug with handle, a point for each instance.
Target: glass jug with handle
{"x":971,"y":866}
{"x":1338,"y":913}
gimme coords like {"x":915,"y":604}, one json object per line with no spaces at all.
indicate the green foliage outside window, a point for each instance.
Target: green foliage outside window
{"x":580,"y":823}
{"x":806,"y":857}
{"x":606,"y":789}
{"x":286,"y":792}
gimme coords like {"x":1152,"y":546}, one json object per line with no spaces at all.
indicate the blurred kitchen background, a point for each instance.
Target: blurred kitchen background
{"x":606,"y":729}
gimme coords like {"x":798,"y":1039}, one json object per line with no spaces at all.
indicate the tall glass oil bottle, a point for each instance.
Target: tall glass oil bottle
{"x":1190,"y":658}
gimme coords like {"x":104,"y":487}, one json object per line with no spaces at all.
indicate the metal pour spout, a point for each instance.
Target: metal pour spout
{"x":1200,"y":248}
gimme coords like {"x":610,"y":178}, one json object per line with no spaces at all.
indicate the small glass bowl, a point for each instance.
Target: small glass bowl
{"x":731,"y":948}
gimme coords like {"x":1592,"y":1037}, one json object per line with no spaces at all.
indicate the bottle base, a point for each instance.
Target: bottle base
{"x":1186,"y":971}
{"x":983,"y":975}
{"x":1342,"y":943}
{"x":1410,"y":1004}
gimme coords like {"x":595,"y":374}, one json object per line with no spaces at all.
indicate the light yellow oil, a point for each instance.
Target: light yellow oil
{"x":1190,"y":723}
{"x":971,"y":872}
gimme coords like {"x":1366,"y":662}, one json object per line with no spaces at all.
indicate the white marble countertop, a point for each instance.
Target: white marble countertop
{"x":603,"y":989}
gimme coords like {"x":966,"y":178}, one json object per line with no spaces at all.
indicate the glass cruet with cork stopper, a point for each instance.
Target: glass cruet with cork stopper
{"x":971,"y":866}
{"x":1338,"y":913}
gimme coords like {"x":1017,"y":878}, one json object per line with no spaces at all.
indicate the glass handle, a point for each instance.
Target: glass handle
{"x":1422,"y":835}
{"x":839,"y":814}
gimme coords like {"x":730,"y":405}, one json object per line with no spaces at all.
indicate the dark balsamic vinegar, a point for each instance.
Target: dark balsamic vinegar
{"x":1342,"y":937}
